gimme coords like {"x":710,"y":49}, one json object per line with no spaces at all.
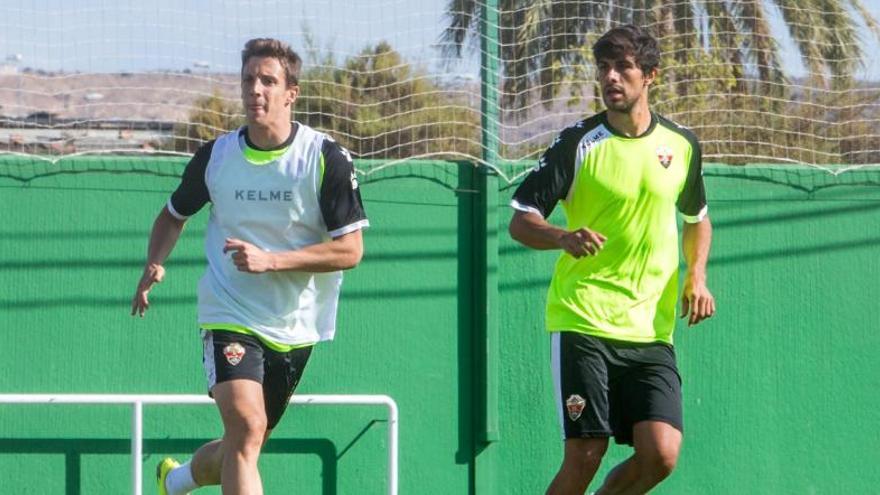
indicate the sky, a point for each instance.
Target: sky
{"x":133,"y":35}
{"x":202,"y":35}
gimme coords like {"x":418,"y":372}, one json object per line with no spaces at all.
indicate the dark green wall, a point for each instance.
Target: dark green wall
{"x":780,"y":387}
{"x":71,"y":252}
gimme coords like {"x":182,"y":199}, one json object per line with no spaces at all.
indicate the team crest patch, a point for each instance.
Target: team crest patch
{"x":575,"y":405}
{"x":354,"y":181}
{"x":234,"y":352}
{"x":664,"y":154}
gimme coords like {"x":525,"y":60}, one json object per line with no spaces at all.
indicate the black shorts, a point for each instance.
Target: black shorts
{"x":232,"y":356}
{"x":604,"y":387}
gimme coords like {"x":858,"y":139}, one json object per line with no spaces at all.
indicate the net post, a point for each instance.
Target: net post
{"x":487,"y":227}
{"x":137,"y":436}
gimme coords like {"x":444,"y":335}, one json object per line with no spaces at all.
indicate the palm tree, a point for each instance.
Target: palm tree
{"x":721,"y":73}
{"x":542,"y":41}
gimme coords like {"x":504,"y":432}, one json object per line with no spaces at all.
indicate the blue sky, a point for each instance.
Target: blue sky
{"x":131,"y":35}
{"x":135,"y":36}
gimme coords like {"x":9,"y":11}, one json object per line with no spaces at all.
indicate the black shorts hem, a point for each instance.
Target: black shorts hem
{"x":251,"y":378}
{"x":629,"y":440}
{"x":673,"y":422}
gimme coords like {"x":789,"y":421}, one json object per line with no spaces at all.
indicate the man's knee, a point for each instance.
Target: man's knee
{"x":659,"y":462}
{"x":243,"y":413}
{"x":247,"y":430}
{"x":657,"y":448}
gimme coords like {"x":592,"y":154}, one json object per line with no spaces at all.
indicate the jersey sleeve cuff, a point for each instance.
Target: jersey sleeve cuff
{"x":174,"y":212}
{"x":516,"y":205}
{"x":698,"y":217}
{"x":348,"y":229}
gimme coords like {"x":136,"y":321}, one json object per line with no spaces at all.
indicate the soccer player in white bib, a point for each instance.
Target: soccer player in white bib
{"x":285,"y":219}
{"x":620,"y":176}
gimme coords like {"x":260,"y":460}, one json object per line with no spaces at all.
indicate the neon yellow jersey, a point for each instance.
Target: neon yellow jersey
{"x":627,"y":189}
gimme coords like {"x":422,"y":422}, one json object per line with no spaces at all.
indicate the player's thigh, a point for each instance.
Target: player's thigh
{"x":282,"y":375}
{"x":581,"y":385}
{"x":647,"y":388}
{"x":231,"y":356}
{"x":234,"y":367}
{"x":241,"y":406}
{"x":656,"y":388}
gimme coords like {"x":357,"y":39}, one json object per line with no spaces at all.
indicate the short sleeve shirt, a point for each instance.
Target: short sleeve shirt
{"x":627,"y":189}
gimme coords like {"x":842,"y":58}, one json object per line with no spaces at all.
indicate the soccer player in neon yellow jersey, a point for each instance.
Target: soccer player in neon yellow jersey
{"x":620,"y":176}
{"x":286,"y":219}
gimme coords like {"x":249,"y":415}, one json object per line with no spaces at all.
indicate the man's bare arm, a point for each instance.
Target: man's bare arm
{"x":697,"y":303}
{"x":339,"y":253}
{"x":532,"y":230}
{"x":163,"y":238}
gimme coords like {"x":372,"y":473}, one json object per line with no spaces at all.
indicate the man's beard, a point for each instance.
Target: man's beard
{"x":622,"y":106}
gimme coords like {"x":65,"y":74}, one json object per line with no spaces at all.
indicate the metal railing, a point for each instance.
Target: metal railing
{"x":138,"y":402}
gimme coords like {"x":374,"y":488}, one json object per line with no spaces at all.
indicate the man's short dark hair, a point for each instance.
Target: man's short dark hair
{"x":629,"y":40}
{"x":268,"y":47}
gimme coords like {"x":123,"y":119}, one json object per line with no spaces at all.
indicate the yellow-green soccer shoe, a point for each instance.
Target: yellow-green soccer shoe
{"x":162,"y":470}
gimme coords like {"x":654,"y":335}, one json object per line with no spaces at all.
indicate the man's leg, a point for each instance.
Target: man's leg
{"x":580,"y":377}
{"x":579,"y":465}
{"x":657,"y":445}
{"x":281,"y":378}
{"x":208,"y":460}
{"x":233,"y":460}
{"x":235,"y":366}
{"x":206,"y":465}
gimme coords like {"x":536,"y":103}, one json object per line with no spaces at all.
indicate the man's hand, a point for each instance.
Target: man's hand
{"x":582,"y":242}
{"x":153,"y":274}
{"x":249,"y":258}
{"x":697,"y":302}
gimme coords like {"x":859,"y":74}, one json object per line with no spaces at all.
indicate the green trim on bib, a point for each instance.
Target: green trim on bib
{"x":275,"y":346}
{"x":262,"y":157}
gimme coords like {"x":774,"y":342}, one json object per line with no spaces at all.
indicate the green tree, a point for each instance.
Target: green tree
{"x":376,"y":104}
{"x":211,"y":116}
{"x":379,"y":106}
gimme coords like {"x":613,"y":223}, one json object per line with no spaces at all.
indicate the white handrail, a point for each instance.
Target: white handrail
{"x":138,"y":400}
